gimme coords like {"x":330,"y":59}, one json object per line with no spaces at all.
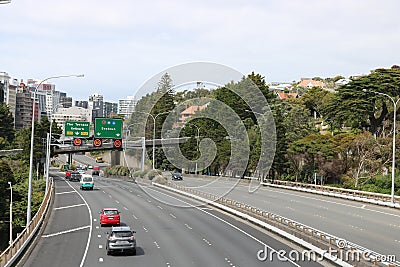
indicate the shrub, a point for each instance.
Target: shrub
{"x":151,"y":174}
{"x":160,"y":179}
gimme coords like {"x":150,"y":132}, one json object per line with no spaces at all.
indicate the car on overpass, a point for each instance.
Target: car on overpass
{"x":110,"y":216}
{"x":121,"y":239}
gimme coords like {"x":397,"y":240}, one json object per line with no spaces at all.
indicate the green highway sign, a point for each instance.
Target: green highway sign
{"x":78,"y":129}
{"x":108,"y":128}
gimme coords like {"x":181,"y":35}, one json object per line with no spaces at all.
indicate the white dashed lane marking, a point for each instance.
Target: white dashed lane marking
{"x":68,"y":192}
{"x":205,"y":240}
{"x":67,"y":231}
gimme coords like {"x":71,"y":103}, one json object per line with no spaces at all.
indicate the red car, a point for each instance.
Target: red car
{"x":68,"y":174}
{"x":109,"y":216}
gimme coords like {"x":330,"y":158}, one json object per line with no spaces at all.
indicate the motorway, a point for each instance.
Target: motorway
{"x":371,"y":226}
{"x":167,"y":233}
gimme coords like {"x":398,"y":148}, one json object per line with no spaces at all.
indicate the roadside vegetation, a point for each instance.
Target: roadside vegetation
{"x":15,"y":169}
{"x":342,"y":136}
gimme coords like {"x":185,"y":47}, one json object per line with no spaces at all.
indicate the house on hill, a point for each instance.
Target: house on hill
{"x":190,"y":111}
{"x":282,"y":95}
{"x":308,"y":83}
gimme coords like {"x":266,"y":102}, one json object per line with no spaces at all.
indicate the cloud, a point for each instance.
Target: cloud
{"x":120,"y":44}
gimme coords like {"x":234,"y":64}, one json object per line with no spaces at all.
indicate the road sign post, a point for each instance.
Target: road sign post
{"x":79,"y":129}
{"x":108,"y":128}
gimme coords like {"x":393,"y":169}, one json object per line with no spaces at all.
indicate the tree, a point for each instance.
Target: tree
{"x":6,"y":126}
{"x":315,"y":100}
{"x":314,"y":150}
{"x":352,"y":107}
{"x":367,"y":157}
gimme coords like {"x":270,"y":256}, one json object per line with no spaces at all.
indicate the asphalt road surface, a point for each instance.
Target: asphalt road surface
{"x":371,"y":226}
{"x":167,"y":233}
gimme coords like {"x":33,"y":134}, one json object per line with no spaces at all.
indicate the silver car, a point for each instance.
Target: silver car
{"x":121,"y":239}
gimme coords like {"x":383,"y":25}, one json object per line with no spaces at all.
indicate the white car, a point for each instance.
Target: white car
{"x":87,"y":182}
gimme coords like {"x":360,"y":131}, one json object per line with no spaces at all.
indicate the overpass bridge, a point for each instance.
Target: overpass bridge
{"x":67,"y":149}
{"x":115,"y":155}
{"x":4,"y":153}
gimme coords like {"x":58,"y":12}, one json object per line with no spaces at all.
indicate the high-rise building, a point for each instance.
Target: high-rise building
{"x":96,"y":106}
{"x":71,"y":114}
{"x":24,"y":103}
{"x":82,"y":104}
{"x":11,"y":96}
{"x":65,"y":102}
{"x":126,"y":106}
{"x":8,"y":90}
{"x":3,"y":90}
{"x":110,"y":109}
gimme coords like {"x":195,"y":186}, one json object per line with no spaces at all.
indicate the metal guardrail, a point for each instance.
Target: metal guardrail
{"x":357,"y":195}
{"x":11,"y":254}
{"x":320,"y":239}
{"x":370,"y":197}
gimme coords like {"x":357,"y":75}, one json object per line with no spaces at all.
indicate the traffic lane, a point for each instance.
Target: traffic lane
{"x":366,"y":225}
{"x":229,"y":231}
{"x":217,"y":184}
{"x":151,"y":250}
{"x":63,"y":240}
{"x":147,"y":254}
{"x":170,"y":240}
{"x":230,"y":243}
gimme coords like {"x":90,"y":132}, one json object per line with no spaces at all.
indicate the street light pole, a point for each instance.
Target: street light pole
{"x":49,"y":145}
{"x":154,"y":132}
{"x":11,"y":199}
{"x":126,"y":140}
{"x":198,"y":138}
{"x":28,"y":210}
{"x":394,"y":137}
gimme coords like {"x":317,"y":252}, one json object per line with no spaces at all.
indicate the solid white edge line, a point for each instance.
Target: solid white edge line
{"x":72,"y":206}
{"x":91,"y":226}
{"x":66,"y":231}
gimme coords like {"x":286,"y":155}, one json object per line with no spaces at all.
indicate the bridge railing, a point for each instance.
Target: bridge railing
{"x":330,"y":246}
{"x":9,"y":256}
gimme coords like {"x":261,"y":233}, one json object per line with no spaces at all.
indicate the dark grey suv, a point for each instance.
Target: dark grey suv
{"x":121,"y":239}
{"x":75,"y":176}
{"x":176,"y":176}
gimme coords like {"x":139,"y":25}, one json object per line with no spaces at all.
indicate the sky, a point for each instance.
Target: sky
{"x":119,"y":45}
